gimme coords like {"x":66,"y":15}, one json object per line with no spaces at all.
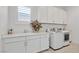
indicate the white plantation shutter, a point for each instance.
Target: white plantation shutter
{"x":24,"y":13}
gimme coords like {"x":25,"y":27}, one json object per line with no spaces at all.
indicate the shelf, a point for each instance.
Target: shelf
{"x":54,"y":23}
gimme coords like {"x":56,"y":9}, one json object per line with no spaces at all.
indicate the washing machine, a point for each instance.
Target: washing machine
{"x":56,"y":40}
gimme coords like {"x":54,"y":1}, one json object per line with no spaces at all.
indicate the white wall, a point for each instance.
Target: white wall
{"x":3,"y":22}
{"x":3,"y":19}
{"x":18,"y":26}
{"x":8,"y":19}
{"x":73,"y":23}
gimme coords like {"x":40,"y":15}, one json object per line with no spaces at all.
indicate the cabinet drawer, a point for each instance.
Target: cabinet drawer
{"x":14,"y":47}
{"x":13,"y":39}
{"x":33,"y":37}
{"x":44,"y":36}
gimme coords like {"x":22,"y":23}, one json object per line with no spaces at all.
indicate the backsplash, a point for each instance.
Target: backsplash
{"x":50,"y":27}
{"x":21,"y":28}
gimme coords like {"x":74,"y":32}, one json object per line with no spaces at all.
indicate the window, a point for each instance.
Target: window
{"x":24,"y":13}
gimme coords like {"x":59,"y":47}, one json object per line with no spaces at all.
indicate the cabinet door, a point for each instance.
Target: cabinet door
{"x":59,"y":16}
{"x":51,"y":14}
{"x":42,"y":14}
{"x":65,"y":17}
{"x":33,"y":44}
{"x":56,"y":15}
{"x":44,"y":42}
{"x":14,"y":47}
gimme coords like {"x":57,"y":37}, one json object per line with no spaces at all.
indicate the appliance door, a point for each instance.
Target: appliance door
{"x":57,"y":40}
{"x":66,"y":37}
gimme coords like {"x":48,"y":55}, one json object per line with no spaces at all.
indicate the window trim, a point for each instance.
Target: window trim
{"x":23,"y":22}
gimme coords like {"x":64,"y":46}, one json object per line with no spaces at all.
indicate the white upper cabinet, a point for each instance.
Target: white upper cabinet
{"x":42,"y":14}
{"x":65,"y":17}
{"x":62,"y":16}
{"x":52,"y":15}
{"x":56,"y":15}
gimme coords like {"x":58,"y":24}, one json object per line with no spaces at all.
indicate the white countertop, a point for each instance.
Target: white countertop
{"x":23,"y":34}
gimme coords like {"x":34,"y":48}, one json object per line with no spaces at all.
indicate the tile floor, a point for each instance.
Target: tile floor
{"x":72,"y":48}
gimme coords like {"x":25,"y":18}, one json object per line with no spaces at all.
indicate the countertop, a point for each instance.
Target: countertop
{"x":23,"y":34}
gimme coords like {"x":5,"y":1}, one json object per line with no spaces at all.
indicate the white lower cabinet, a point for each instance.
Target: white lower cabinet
{"x":33,"y":45}
{"x":37,"y":43}
{"x":44,"y":42}
{"x":14,"y":44}
{"x":28,"y":44}
{"x":14,"y":47}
